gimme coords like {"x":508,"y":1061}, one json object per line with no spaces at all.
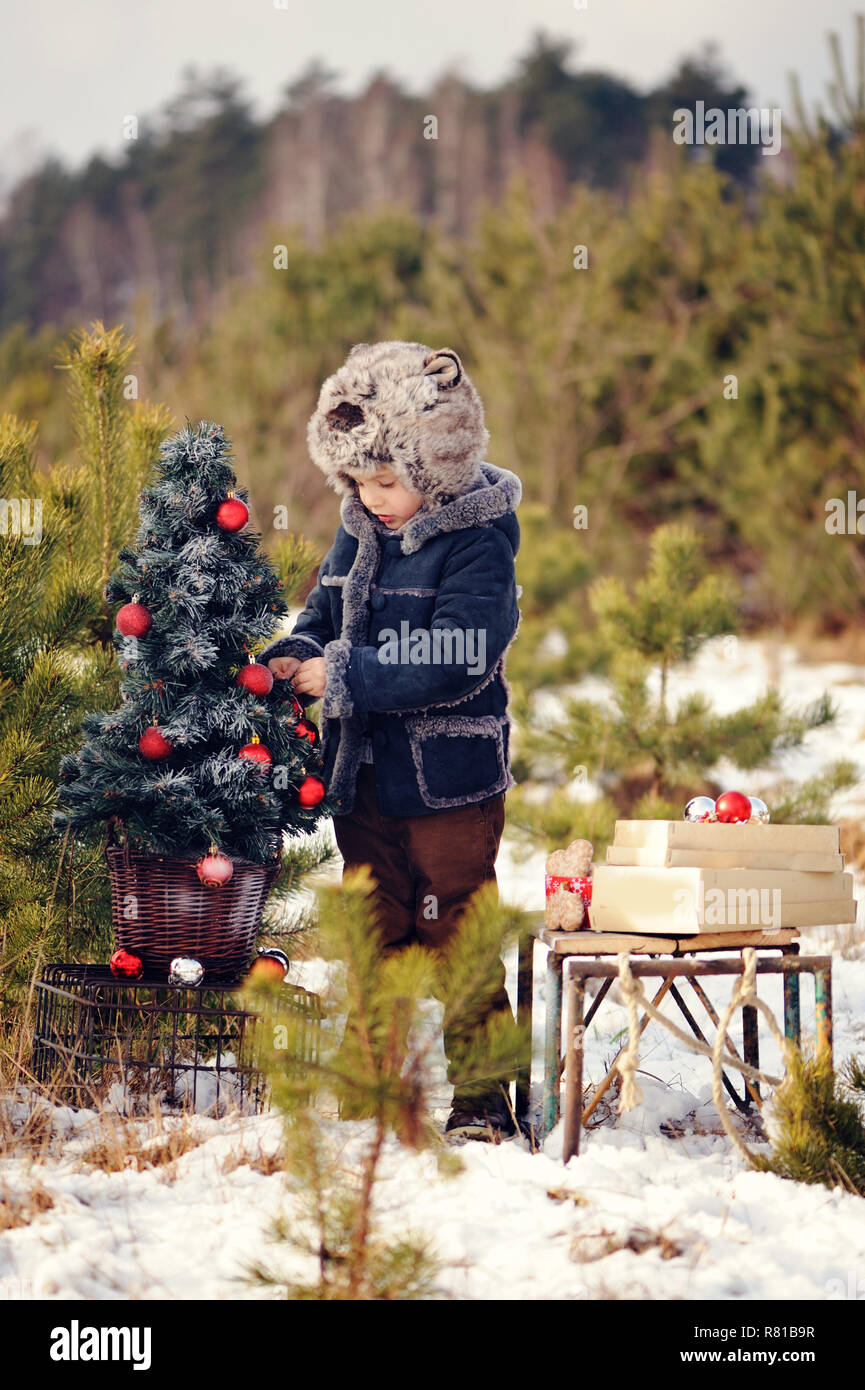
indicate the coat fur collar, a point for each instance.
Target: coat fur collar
{"x":496,"y":492}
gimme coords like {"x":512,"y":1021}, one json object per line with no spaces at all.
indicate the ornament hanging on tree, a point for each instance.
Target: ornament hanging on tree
{"x":760,"y":813}
{"x":255,"y":752}
{"x":133,"y":619}
{"x":215,"y":869}
{"x":733,"y":807}
{"x":125,"y":965}
{"x":232,"y":514}
{"x":185,"y":970}
{"x":311,"y":791}
{"x":700,"y":808}
{"x":256,"y":678}
{"x":154,"y":745}
{"x":304,"y":730}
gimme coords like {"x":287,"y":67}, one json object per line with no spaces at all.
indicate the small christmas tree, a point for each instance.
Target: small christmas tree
{"x":206,"y":752}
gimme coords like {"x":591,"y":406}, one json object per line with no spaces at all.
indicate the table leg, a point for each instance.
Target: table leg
{"x":525,"y":992}
{"x":823,"y":999}
{"x":751,"y":1044}
{"x":593,"y":1009}
{"x":792,"y":1013}
{"x":552,"y":1041}
{"x":576,"y":990}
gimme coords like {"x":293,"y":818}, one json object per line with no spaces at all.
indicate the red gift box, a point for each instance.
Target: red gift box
{"x":578,"y":883}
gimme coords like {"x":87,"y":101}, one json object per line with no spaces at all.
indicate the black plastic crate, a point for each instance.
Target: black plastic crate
{"x":179,"y":1046}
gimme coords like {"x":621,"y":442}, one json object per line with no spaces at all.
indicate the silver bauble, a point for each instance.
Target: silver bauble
{"x":759,"y":811}
{"x":185,"y":970}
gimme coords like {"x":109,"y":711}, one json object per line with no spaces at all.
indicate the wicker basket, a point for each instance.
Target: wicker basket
{"x":161,"y":909}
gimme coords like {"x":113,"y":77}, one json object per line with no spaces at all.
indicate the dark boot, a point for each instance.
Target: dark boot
{"x":486,"y":1117}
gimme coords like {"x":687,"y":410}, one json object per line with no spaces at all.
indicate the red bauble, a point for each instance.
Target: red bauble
{"x":126,"y":966}
{"x":256,"y":752}
{"x":232,"y":515}
{"x":214,"y":870}
{"x":154,"y":746}
{"x":257,"y":678}
{"x":311,"y":791}
{"x":733,"y":807}
{"x":134,"y":620}
{"x":304,"y":731}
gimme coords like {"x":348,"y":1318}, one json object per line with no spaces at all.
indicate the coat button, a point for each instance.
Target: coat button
{"x":378,"y":602}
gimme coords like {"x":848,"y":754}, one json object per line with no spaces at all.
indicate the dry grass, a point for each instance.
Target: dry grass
{"x":816,"y":645}
{"x":25,"y":1118}
{"x":564,"y":1194}
{"x":853,"y":842}
{"x":596,"y":1245}
{"x":125,"y":1143}
{"x":19,"y":1208}
{"x":26,"y":1124}
{"x":265,"y":1163}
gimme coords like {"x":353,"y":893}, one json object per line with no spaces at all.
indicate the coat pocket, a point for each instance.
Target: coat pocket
{"x":458,"y":759}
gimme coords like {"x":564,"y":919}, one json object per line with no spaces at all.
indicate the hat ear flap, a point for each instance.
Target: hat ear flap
{"x":446,"y":366}
{"x":345,"y":416}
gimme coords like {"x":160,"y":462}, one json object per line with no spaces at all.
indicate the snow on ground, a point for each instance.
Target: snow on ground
{"x":644,"y":1212}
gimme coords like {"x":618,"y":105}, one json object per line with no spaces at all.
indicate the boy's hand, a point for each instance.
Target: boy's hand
{"x":311,"y":678}
{"x":284,"y":667}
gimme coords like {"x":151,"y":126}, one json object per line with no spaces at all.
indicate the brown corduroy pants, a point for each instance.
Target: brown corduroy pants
{"x":426,"y":867}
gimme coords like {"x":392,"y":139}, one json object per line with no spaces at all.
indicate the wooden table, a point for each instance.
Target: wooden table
{"x":670,"y":956}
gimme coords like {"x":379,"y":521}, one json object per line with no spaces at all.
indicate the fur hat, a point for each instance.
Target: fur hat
{"x":406,"y":407}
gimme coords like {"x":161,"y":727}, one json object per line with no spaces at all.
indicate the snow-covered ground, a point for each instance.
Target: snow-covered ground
{"x":644,"y":1212}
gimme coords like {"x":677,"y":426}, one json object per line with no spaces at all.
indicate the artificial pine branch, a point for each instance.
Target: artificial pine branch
{"x":213,"y":597}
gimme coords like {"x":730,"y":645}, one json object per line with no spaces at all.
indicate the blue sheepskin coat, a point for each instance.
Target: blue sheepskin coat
{"x":439,"y":728}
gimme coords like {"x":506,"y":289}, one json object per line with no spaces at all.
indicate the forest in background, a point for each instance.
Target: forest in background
{"x":700,"y":361}
{"x":184,"y":206}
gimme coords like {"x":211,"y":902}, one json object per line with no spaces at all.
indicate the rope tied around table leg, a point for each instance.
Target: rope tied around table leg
{"x":744,"y":994}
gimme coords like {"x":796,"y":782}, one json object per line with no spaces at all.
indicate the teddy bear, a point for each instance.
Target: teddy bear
{"x":565,"y":910}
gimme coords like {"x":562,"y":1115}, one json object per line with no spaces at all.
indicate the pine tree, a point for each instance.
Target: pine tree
{"x":116,"y":446}
{"x":193,"y":759}
{"x":381,"y":1073}
{"x":54,"y":901}
{"x":48,"y":678}
{"x":817,"y":1127}
{"x":646,"y":758}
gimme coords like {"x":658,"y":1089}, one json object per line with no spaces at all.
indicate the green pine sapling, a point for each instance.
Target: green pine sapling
{"x":379,"y":1073}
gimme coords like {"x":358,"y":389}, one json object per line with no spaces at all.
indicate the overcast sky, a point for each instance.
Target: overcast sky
{"x":73,"y":71}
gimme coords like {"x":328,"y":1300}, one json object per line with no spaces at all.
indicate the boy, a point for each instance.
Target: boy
{"x":404,"y":636}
